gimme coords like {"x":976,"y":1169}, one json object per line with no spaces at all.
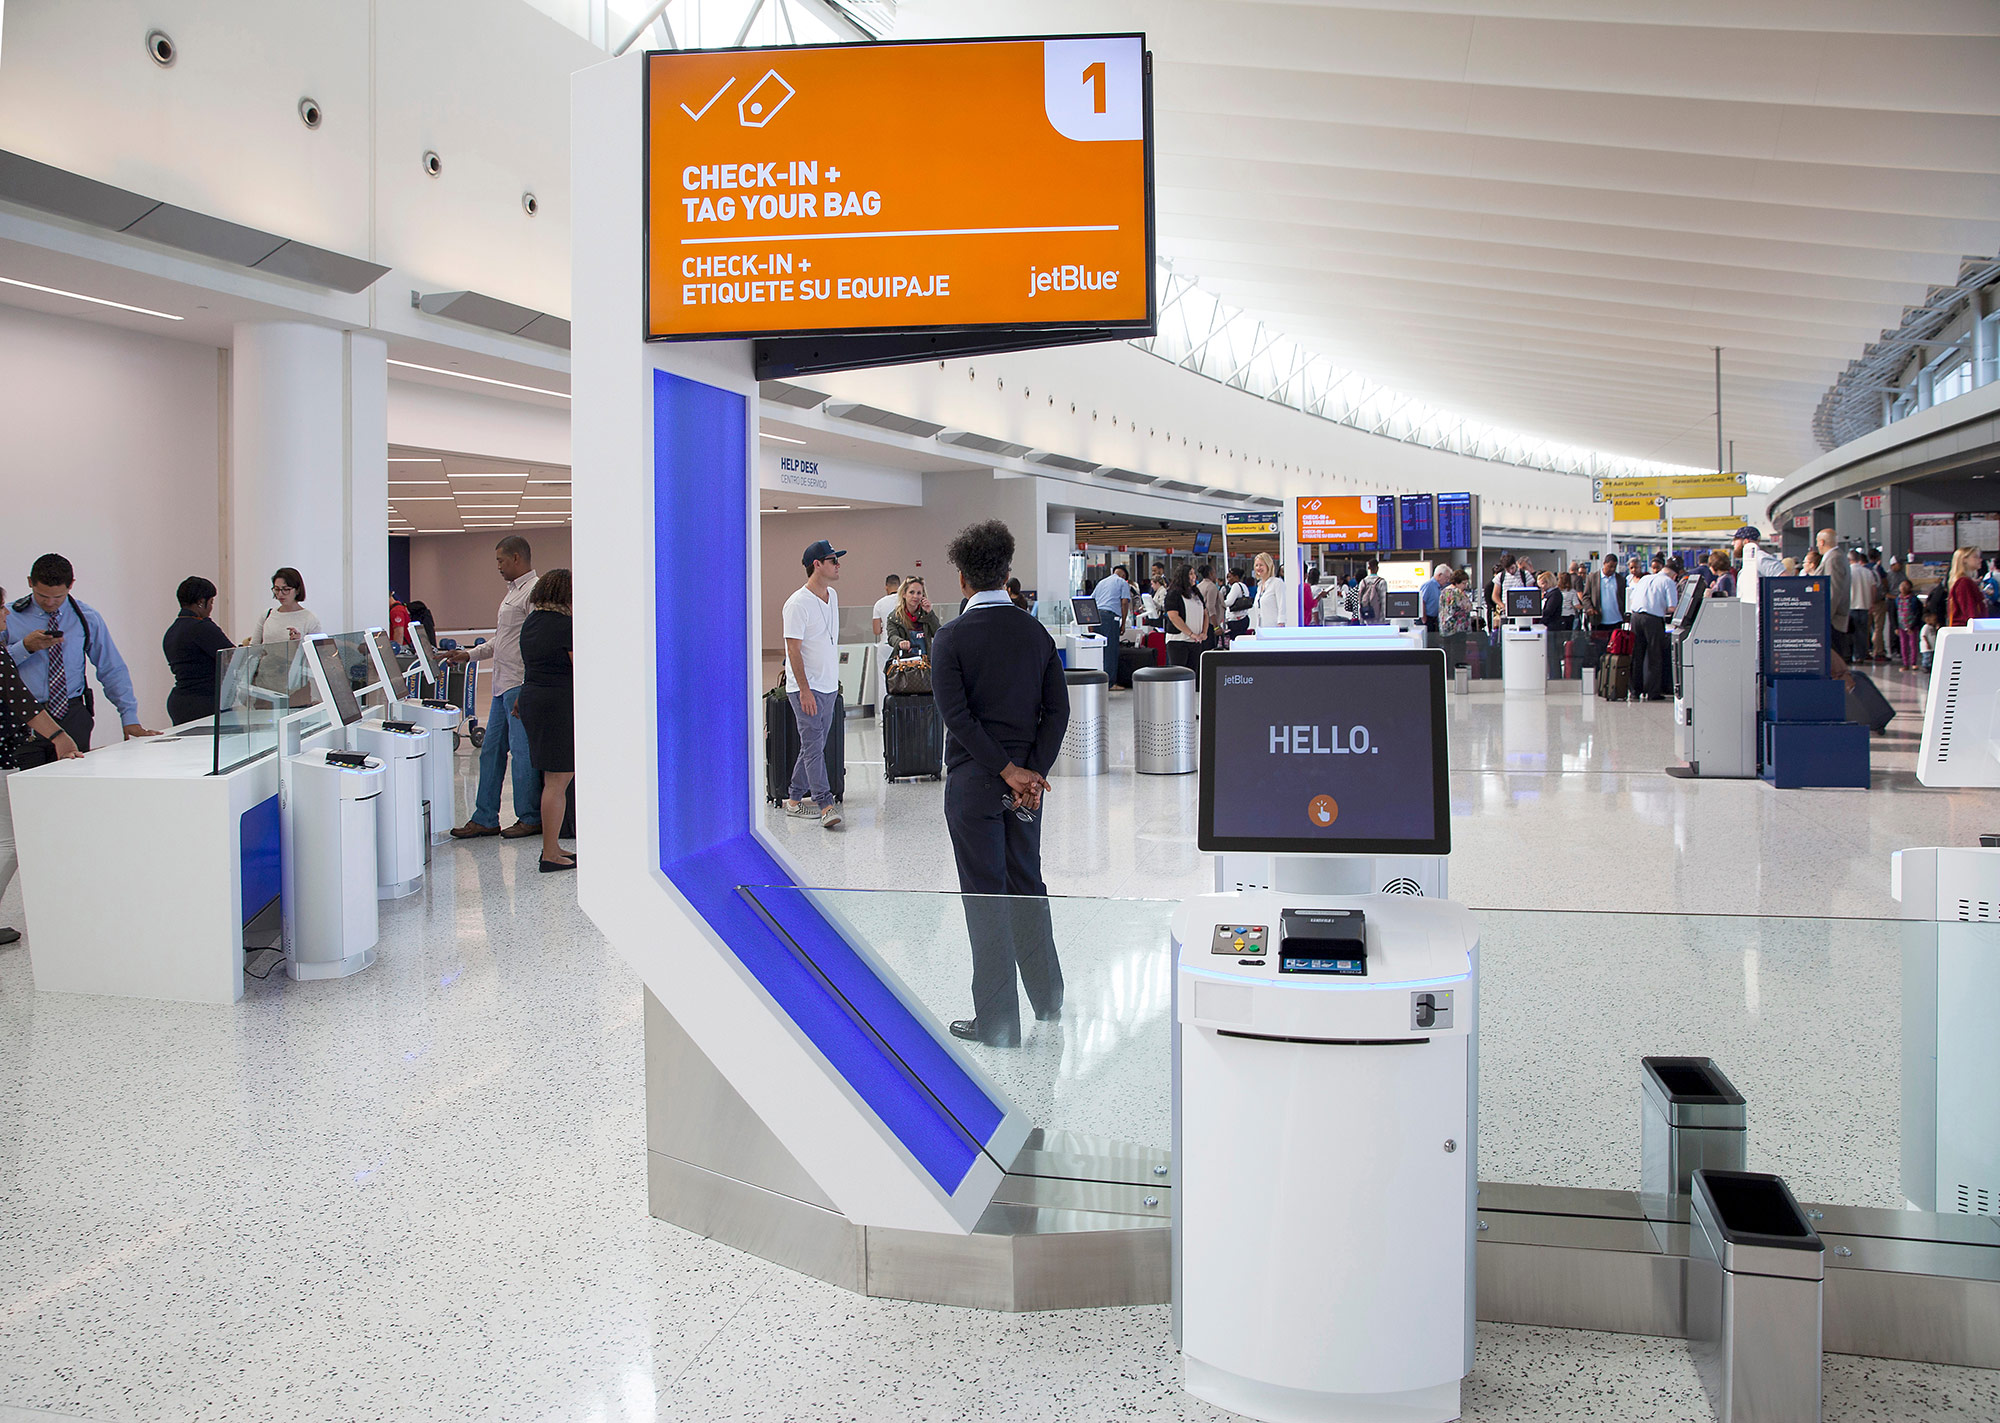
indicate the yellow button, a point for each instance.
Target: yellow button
{"x":1239,"y":943}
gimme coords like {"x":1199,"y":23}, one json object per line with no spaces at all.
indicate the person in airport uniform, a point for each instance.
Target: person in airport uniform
{"x":1113,"y":597}
{"x":190,"y":646}
{"x":1964,"y":601}
{"x":1273,"y":608}
{"x":51,"y":636}
{"x":1187,"y":624}
{"x":1211,"y":603}
{"x":1237,"y":600}
{"x":24,"y":722}
{"x":885,"y":605}
{"x":1430,"y":592}
{"x":912,"y":624}
{"x":1000,"y":689}
{"x":1653,"y":602}
{"x":1604,"y":596}
{"x":1833,"y":567}
{"x":505,"y":736}
{"x":546,"y":705}
{"x":812,"y":623}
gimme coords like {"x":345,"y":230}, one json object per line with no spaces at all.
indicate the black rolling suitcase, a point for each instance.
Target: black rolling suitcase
{"x":912,"y":738}
{"x":1130,"y":660}
{"x":1866,"y":704}
{"x":781,"y":747}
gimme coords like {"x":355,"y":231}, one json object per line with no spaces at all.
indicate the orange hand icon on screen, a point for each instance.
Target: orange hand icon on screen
{"x":1322,"y":811}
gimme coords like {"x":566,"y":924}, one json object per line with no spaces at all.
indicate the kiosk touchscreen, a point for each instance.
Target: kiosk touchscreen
{"x":1353,"y":1013}
{"x":1523,"y":604}
{"x":1403,"y":607}
{"x":427,"y":660}
{"x":437,"y":716}
{"x":334,"y":684}
{"x":1085,"y":611}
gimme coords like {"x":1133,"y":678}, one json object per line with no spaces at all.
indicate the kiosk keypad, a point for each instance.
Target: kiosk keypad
{"x":1239,"y":939}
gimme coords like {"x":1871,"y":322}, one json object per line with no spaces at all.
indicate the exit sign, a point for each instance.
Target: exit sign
{"x":1871,"y":501}
{"x":1802,"y":521}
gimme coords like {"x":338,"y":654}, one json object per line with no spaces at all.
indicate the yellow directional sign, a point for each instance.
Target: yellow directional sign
{"x":1709,"y":524}
{"x":1671,"y":486}
{"x":1624,"y":510}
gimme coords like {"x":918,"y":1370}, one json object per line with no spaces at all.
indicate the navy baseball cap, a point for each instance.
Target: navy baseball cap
{"x":820,"y":550}
{"x":1749,"y":531}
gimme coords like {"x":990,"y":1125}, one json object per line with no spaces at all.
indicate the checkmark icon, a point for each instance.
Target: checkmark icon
{"x":696,"y":114}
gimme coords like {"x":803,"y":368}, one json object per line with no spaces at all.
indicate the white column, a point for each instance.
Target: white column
{"x":308,"y":472}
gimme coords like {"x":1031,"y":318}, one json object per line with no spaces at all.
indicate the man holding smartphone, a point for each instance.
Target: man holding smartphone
{"x":52,"y":637}
{"x":1000,"y":689}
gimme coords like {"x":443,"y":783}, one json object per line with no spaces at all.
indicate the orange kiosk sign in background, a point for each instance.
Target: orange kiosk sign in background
{"x":897,"y":187}
{"x":1338,"y":519}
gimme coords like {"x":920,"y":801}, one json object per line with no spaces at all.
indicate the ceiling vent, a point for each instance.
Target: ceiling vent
{"x":1178,"y":486}
{"x":881,"y":419}
{"x":1267,"y":501}
{"x":70,"y":195}
{"x":1125,"y":476}
{"x":778,"y":392}
{"x":493,"y":314}
{"x":1054,"y":461}
{"x":985,"y":444}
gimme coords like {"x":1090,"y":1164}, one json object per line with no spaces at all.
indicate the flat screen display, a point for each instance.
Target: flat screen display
{"x":1085,"y":610}
{"x":427,"y":661}
{"x":385,"y":654}
{"x":1409,"y":606}
{"x":342,"y":693}
{"x":1342,"y":519}
{"x":1417,"y":520}
{"x":1201,"y":542}
{"x":1690,"y":607}
{"x":1455,"y":524}
{"x":994,"y":183}
{"x":1324,"y":752}
{"x":1524,"y":602}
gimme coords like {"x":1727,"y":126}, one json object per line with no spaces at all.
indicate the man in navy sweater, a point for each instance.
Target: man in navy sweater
{"x":999,"y":687}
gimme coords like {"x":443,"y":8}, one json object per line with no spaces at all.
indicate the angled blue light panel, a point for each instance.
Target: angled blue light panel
{"x":708,"y":846}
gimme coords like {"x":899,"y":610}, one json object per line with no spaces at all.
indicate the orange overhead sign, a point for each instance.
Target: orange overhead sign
{"x":1337,"y":519}
{"x":898,"y":187}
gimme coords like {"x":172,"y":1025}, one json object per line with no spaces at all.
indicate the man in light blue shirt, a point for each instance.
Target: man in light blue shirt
{"x":51,"y":636}
{"x":1653,"y":602}
{"x":1113,"y":597}
{"x":1431,"y":590}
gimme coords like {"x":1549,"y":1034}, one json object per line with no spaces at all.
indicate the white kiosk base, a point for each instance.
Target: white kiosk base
{"x":1524,"y":661}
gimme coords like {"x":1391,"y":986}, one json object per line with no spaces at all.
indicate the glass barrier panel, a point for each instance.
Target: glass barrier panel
{"x":359,"y":664}
{"x":254,"y":687}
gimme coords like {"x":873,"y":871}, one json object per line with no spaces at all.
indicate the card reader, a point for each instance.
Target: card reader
{"x":1323,"y":941}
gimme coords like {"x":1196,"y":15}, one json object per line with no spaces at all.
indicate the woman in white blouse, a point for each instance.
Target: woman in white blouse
{"x":291,"y":620}
{"x":1273,"y":608}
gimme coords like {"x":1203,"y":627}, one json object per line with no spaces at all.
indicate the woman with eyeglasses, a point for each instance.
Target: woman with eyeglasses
{"x":290,"y":620}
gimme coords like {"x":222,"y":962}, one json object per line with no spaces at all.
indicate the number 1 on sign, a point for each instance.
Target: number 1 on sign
{"x":1094,"y":77}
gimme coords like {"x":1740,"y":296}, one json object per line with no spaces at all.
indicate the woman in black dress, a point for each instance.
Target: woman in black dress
{"x":191,"y":644}
{"x":547,"y":706}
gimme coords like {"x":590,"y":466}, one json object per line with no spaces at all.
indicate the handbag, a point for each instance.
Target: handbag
{"x":908,"y":677}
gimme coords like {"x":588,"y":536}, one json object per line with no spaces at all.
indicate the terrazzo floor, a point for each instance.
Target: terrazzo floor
{"x":420,"y":1193}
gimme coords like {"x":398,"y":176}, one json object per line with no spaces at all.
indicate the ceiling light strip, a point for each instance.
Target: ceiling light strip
{"x":461,"y":375}
{"x":93,"y":300}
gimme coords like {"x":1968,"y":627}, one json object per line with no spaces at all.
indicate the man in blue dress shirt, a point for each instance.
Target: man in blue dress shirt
{"x":50,"y":636}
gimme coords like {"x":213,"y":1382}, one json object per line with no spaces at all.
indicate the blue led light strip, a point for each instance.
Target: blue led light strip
{"x":707,"y":783}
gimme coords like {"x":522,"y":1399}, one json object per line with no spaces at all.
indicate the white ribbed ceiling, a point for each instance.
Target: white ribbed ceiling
{"x":1544,"y":213}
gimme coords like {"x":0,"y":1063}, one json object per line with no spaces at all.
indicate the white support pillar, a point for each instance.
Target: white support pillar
{"x":308,"y":472}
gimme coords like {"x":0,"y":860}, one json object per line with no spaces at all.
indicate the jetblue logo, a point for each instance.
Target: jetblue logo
{"x":1238,"y":679}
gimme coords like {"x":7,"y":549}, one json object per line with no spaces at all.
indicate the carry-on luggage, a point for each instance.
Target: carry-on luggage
{"x":912,"y":738}
{"x":781,"y":746}
{"x":1614,"y":676}
{"x":1621,"y":642}
{"x":1866,"y":704}
{"x":1130,"y":660}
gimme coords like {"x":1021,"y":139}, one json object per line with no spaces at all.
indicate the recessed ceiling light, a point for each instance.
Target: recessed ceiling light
{"x":489,"y":508}
{"x":786,"y":439}
{"x":461,"y":375}
{"x":550,"y":481}
{"x":420,"y":498}
{"x":415,"y":459}
{"x":545,"y":499}
{"x":93,"y":300}
{"x":825,"y":506}
{"x":485,"y":474}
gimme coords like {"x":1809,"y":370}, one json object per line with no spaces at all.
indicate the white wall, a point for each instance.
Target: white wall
{"x":455,"y":575}
{"x":113,"y":453}
{"x":531,"y":429}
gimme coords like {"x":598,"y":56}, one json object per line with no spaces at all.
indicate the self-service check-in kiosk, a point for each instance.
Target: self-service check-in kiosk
{"x":1324,"y":1050}
{"x":328,"y":819}
{"x":402,"y":841}
{"x":439,"y":717}
{"x":1083,"y":644}
{"x":1524,"y":644}
{"x":1405,"y":612}
{"x":1714,"y":643}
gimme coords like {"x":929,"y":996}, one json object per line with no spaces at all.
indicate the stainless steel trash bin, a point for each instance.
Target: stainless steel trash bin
{"x":1163,"y":724}
{"x":1690,"y":1116}
{"x":1082,"y":751}
{"x":1755,"y":1275}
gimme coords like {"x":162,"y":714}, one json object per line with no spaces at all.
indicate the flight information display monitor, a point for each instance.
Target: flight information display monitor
{"x":1457,"y":521}
{"x":1324,"y":752}
{"x":1417,"y":520}
{"x":959,"y":185}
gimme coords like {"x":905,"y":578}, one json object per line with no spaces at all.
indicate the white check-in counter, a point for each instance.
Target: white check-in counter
{"x":139,"y":868}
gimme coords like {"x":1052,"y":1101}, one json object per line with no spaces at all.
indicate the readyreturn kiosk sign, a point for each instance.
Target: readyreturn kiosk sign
{"x":898,"y":187}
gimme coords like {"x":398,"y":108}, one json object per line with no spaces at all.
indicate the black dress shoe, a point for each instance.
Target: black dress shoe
{"x":10,"y":936}
{"x":968,"y":1029}
{"x":550,"y":867}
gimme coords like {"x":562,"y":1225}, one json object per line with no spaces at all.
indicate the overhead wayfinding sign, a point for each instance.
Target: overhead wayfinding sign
{"x":1670,"y":486}
{"x":899,"y":187}
{"x":1338,"y":519}
{"x":1708,"y":524}
{"x":1255,"y":521}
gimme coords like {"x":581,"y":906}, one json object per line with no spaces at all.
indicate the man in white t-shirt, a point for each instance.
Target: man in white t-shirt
{"x":812,"y":625}
{"x":892,"y":587}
